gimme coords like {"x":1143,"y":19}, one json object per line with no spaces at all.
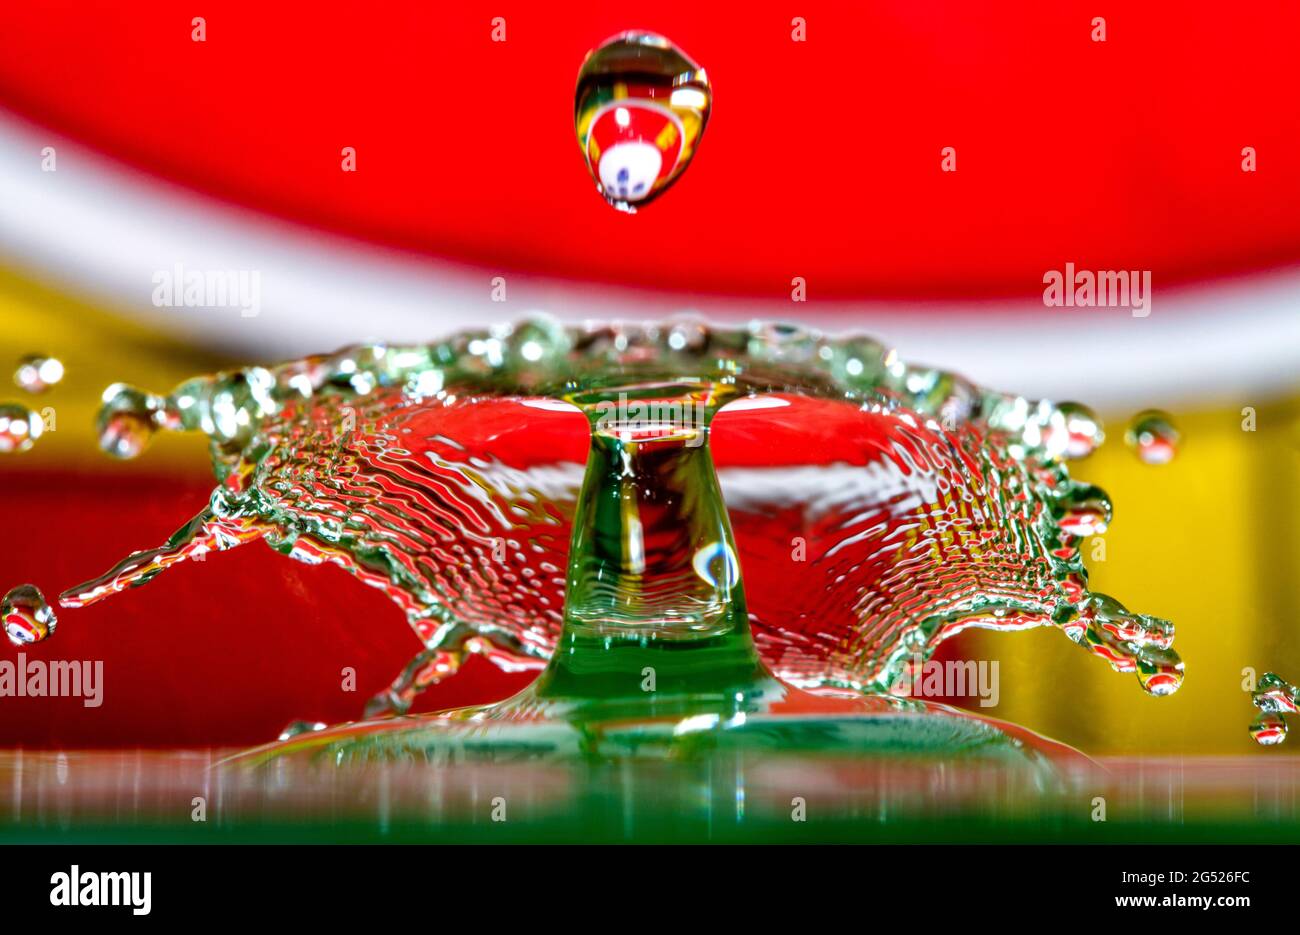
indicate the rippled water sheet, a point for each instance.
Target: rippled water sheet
{"x":877,"y":508}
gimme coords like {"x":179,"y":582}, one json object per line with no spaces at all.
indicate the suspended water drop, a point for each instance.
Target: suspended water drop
{"x":640,"y":109}
{"x":1268,"y":730}
{"x":1152,"y":434}
{"x":1160,"y":671}
{"x":126,"y":420}
{"x":1275,"y":697}
{"x":37,"y":373}
{"x":27,"y":617}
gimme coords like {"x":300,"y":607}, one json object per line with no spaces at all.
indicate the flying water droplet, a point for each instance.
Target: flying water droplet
{"x":19,"y":427}
{"x":127,"y":420}
{"x":640,"y":109}
{"x":1152,"y":434}
{"x":37,"y":373}
{"x":1274,"y":696}
{"x":1268,"y":730}
{"x":27,"y":617}
{"x":1160,"y":671}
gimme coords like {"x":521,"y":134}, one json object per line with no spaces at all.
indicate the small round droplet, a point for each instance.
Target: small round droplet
{"x":640,"y":109}
{"x":535,"y":343}
{"x":1152,"y":434}
{"x":19,"y":427}
{"x":27,"y":617}
{"x":37,"y":373}
{"x":126,"y":420}
{"x":1268,"y":730}
{"x":854,"y":361}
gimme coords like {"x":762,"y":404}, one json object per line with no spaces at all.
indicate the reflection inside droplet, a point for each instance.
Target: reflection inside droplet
{"x":19,"y":427}
{"x":26,"y":616}
{"x":1153,"y":436}
{"x":640,"y":109}
{"x":37,"y":373}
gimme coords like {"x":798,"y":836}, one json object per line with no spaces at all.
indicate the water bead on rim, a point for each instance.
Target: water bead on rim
{"x":298,"y":728}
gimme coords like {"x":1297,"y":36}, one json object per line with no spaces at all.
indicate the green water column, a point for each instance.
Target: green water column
{"x":655,"y":619}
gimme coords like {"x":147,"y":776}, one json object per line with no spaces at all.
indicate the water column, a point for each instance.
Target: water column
{"x":654,"y":618}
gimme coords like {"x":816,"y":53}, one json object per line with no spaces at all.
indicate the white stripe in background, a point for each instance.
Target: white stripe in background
{"x":103,"y":230}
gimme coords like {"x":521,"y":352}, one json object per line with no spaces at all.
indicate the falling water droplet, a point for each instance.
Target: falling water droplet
{"x":27,"y":617}
{"x":127,"y":420}
{"x":1160,"y":671}
{"x":640,"y":109}
{"x":19,"y":427}
{"x":37,"y":373}
{"x":1268,"y":730}
{"x":1152,"y":434}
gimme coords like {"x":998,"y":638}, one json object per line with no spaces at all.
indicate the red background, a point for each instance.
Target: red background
{"x":822,"y":159}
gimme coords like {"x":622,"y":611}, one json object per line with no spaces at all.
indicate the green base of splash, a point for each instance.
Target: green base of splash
{"x":681,"y":770}
{"x":711,"y":698}
{"x":620,"y":738}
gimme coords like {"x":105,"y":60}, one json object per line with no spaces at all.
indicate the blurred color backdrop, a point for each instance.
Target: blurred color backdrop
{"x":134,"y":141}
